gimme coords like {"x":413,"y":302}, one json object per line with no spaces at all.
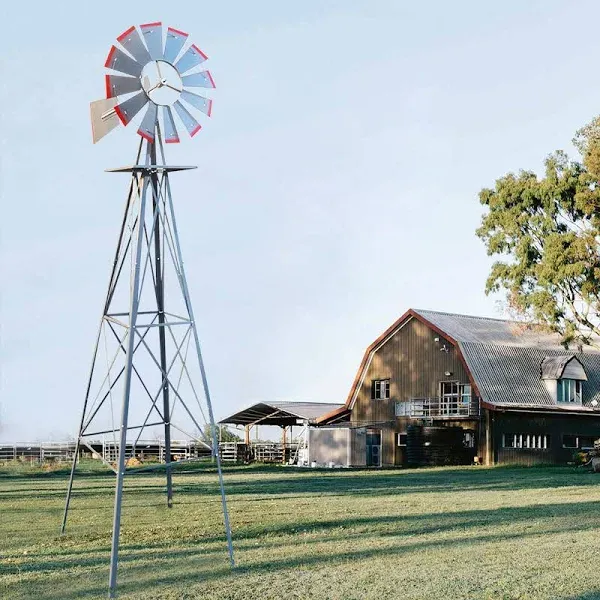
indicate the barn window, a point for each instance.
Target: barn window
{"x":568,"y":390}
{"x":403,"y":409}
{"x":380,"y":389}
{"x":401,"y":439}
{"x":532,"y":441}
{"x":587,"y":441}
{"x":570,"y":441}
{"x":455,"y":398}
{"x":578,"y":441}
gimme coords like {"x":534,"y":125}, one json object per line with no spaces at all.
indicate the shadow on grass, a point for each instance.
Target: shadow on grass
{"x":456,"y":527}
{"x":300,"y":482}
{"x":408,"y":541}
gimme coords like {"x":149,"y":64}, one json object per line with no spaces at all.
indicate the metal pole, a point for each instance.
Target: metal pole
{"x":134,"y":304}
{"x":160,"y":304}
{"x":186,"y":294}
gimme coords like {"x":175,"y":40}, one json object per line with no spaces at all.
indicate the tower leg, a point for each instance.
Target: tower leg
{"x":114,"y":553}
{"x":70,"y":488}
{"x":186,"y":294}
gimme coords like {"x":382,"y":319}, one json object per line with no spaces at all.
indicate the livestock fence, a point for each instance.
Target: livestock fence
{"x":148,"y":451}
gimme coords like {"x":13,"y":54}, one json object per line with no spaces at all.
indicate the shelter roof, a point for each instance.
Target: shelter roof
{"x":282,"y":414}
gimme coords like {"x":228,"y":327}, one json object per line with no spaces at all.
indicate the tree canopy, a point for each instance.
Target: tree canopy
{"x":545,"y":231}
{"x":223,"y":433}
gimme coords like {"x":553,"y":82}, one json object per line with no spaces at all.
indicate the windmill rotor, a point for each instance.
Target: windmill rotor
{"x":145,"y":73}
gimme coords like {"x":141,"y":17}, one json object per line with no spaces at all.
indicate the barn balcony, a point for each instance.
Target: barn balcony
{"x":438,"y":408}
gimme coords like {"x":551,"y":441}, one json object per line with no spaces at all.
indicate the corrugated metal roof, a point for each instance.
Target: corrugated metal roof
{"x":505,"y":358}
{"x":280,"y":413}
{"x":484,"y":330}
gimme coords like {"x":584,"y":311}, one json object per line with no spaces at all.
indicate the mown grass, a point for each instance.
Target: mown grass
{"x":476,"y":533}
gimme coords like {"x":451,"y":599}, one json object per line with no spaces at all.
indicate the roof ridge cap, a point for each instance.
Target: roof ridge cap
{"x":450,"y":314}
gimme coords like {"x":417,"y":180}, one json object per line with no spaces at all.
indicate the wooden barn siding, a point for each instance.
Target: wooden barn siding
{"x":555,"y":426}
{"x":413,"y":362}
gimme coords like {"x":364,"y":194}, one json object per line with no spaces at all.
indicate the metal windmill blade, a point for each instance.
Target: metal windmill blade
{"x":152,"y":33}
{"x":117,"y":85}
{"x":192,"y":126}
{"x":203,"y":79}
{"x":171,"y":136}
{"x":128,"y":109}
{"x":117,"y":60}
{"x":202,"y":104}
{"x":175,"y":42}
{"x":132,"y":42}
{"x":148,"y":125}
{"x":191,"y":58}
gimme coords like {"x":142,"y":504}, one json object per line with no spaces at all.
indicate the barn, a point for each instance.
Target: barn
{"x":441,"y":388}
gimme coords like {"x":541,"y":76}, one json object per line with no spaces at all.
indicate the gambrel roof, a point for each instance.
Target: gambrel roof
{"x":503,"y":359}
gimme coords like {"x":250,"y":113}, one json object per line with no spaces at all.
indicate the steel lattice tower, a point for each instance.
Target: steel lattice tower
{"x":148,"y":334}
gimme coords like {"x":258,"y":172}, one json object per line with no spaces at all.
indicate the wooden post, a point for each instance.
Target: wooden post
{"x":488,"y":437}
{"x":283,"y":442}
{"x":247,"y":435}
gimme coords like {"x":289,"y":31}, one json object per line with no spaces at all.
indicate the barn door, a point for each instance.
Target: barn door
{"x":373,"y":448}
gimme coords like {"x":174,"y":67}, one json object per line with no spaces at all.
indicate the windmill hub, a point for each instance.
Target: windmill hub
{"x":161,"y":82}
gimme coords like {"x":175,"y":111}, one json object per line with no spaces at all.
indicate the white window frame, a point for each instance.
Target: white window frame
{"x":455,"y":403}
{"x":380,"y":389}
{"x":398,"y":439}
{"x":402,"y":408}
{"x":564,"y":435}
{"x":569,"y":391}
{"x":526,"y":441}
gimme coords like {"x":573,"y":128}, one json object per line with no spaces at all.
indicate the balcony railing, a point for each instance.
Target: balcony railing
{"x":431,"y":408}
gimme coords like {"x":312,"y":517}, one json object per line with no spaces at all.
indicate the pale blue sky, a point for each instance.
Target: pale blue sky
{"x":337,"y":182}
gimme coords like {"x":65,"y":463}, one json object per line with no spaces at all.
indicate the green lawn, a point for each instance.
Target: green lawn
{"x":469,"y":532}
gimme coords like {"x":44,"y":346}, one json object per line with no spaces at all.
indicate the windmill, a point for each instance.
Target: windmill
{"x":142,"y":352}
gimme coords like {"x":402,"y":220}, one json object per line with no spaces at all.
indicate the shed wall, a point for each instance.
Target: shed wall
{"x":329,"y":445}
{"x":358,"y":447}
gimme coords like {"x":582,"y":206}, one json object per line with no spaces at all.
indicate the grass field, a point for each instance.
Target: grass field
{"x":431,"y":533}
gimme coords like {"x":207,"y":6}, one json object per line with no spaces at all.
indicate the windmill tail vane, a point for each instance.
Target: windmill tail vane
{"x":147,"y":354}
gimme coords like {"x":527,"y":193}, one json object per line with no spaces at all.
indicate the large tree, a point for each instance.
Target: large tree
{"x":546,"y":233}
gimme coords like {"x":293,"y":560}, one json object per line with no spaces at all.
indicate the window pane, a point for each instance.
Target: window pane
{"x":586,"y":441}
{"x":559,"y":391}
{"x":571,"y":390}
